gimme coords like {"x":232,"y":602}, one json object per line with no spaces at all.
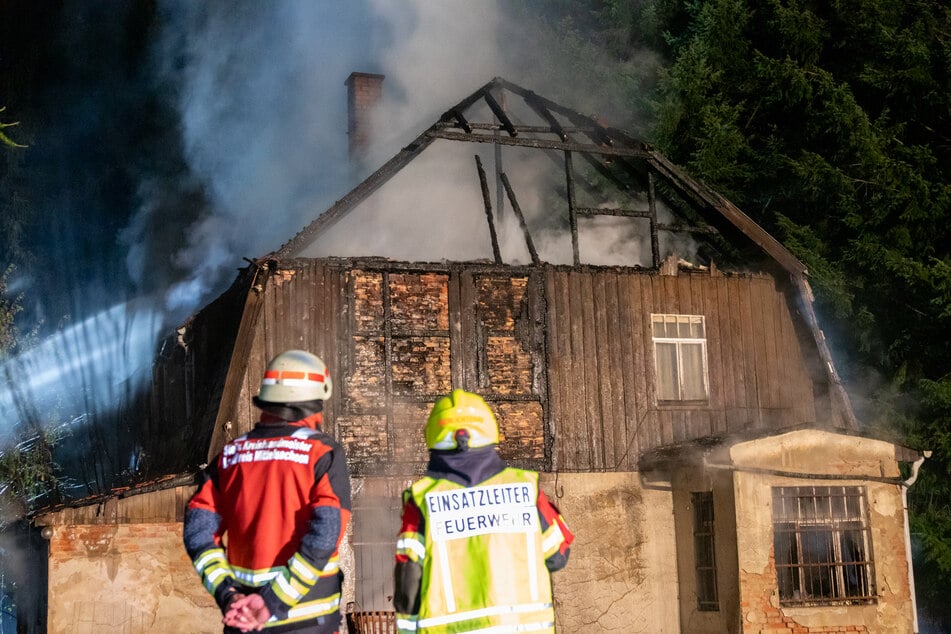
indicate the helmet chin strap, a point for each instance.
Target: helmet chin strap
{"x":462,"y":440}
{"x":290,"y":411}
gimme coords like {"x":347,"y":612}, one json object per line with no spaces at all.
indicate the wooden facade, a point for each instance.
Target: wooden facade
{"x":563,"y":354}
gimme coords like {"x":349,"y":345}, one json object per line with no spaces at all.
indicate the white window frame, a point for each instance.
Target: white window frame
{"x":680,"y":342}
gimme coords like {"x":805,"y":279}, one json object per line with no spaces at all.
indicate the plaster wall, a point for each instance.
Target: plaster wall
{"x":125,"y":578}
{"x":622,"y":575}
{"x":819,"y":453}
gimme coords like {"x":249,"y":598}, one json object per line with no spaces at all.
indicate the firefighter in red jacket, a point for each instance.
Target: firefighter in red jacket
{"x":264,"y":528}
{"x":479,"y":539}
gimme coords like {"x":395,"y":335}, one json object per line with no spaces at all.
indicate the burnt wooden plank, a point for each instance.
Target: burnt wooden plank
{"x":631,"y":316}
{"x":719,"y":378}
{"x":781,"y":364}
{"x":581,"y":451}
{"x":232,"y":407}
{"x":651,"y":421}
{"x":791,"y":365}
{"x":558,"y":349}
{"x":744,"y":378}
{"x":604,"y":370}
{"x":755,"y":347}
{"x":763,"y":298}
{"x":593,"y":414}
{"x":613,"y":345}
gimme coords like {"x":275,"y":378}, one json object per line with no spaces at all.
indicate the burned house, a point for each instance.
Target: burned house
{"x":668,"y":378}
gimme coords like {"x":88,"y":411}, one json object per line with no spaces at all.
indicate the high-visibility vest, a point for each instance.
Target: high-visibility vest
{"x":484,"y":569}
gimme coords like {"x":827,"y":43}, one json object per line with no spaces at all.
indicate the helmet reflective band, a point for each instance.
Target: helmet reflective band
{"x":295,"y":376}
{"x":457,"y":411}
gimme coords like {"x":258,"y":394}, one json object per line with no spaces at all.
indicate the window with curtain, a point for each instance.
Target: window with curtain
{"x":680,"y":357}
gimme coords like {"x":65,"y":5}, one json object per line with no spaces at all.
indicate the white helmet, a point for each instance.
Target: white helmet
{"x":295,"y":376}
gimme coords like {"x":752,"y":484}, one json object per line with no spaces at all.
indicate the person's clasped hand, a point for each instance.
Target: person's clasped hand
{"x":247,"y":612}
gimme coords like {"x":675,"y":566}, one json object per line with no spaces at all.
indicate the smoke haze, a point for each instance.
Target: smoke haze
{"x":170,"y":140}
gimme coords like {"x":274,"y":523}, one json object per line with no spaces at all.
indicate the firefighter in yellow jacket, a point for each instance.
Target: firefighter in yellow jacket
{"x":478,"y":539}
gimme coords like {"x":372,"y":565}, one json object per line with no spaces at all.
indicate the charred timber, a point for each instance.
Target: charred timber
{"x":500,"y":114}
{"x":487,"y":202}
{"x":521,"y":218}
{"x":572,"y":209}
{"x":536,"y":104}
{"x":590,"y":212}
{"x":539,"y":143}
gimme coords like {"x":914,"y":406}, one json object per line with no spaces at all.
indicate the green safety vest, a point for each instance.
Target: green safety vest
{"x":484,"y":569}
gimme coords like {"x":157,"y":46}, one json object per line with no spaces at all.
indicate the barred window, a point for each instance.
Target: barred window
{"x":822,"y":544}
{"x":705,"y":560}
{"x":680,"y":357}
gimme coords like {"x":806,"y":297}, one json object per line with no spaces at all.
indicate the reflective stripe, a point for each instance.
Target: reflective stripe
{"x":523,"y":627}
{"x":495,"y":610}
{"x":255,"y":579}
{"x":552,"y":540}
{"x":313,"y":608}
{"x":411,"y":545}
{"x":291,"y":377}
{"x":216,"y":555}
{"x":286,"y":590}
{"x":532,"y":563}
{"x":407,"y":624}
{"x":446,"y":576}
{"x":331,"y":568}
{"x":302,"y":569}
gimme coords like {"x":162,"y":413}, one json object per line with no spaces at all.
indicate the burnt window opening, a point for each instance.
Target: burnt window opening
{"x":705,"y":561}
{"x":822,"y":544}
{"x":680,"y":358}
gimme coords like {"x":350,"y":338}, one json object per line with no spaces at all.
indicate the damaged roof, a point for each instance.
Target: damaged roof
{"x":606,"y":172}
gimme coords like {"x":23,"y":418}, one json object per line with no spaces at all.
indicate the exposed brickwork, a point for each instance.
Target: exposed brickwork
{"x":421,"y":365}
{"x":364,"y":91}
{"x":500,"y":301}
{"x":364,"y":437}
{"x":520,"y":429}
{"x":366,"y":384}
{"x":762,"y":616}
{"x":411,"y":445}
{"x":367,"y":301}
{"x":419,"y":302}
{"x":510,"y":366}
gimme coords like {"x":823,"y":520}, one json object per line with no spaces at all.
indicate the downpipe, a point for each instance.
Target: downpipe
{"x":905,"y":485}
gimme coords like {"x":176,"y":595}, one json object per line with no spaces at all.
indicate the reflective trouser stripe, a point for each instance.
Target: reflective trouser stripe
{"x":496,"y":610}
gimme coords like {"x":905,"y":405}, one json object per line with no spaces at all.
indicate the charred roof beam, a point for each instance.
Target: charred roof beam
{"x":500,"y":114}
{"x":590,"y":212}
{"x":568,"y":146}
{"x":487,"y":202}
{"x":521,"y":219}
{"x":536,"y":104}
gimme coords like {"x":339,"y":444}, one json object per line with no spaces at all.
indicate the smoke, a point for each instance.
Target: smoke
{"x":188,"y":136}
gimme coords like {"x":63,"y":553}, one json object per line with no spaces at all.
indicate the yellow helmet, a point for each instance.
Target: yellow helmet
{"x":458,"y":411}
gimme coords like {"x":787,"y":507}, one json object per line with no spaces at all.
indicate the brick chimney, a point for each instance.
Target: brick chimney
{"x":363,"y":93}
